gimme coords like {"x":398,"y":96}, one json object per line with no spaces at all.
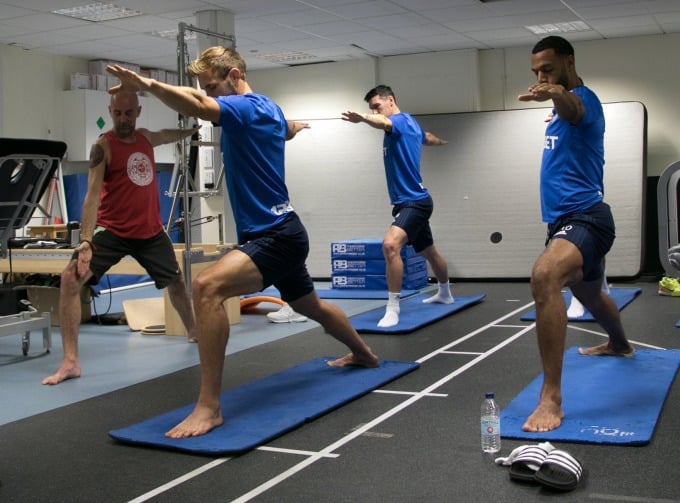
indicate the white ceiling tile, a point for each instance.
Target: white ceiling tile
{"x":615,"y":31}
{"x":381,"y":26}
{"x":336,"y":28}
{"x":362,"y":10}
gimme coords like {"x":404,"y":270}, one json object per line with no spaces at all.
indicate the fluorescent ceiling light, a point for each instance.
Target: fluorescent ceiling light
{"x":188,"y":35}
{"x":286,"y":57}
{"x":98,"y":11}
{"x":543,"y":29}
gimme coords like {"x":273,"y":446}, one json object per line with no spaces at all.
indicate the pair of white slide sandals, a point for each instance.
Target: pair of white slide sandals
{"x":543,"y":464}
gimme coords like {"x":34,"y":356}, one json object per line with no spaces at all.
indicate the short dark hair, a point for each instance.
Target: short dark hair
{"x":560,"y":45}
{"x":382,"y":90}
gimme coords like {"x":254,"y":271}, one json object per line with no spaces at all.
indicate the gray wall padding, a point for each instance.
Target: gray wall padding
{"x":484,"y":183}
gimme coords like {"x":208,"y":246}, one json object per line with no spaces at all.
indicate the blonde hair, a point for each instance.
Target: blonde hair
{"x":219,"y":60}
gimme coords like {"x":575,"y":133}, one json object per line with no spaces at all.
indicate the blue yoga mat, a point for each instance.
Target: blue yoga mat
{"x":343,"y":293}
{"x":621,"y":296}
{"x":265,"y":409}
{"x":360,"y":293}
{"x":413,"y":314}
{"x":606,"y":399}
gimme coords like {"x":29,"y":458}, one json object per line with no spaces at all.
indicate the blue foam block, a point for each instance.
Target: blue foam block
{"x":265,"y":409}
{"x":413,"y":314}
{"x":621,"y":296}
{"x":597,"y":411}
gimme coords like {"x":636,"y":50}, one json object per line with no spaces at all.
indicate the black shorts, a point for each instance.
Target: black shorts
{"x":155,"y":254}
{"x":280,"y":254}
{"x":593,"y":233}
{"x":414,"y":219}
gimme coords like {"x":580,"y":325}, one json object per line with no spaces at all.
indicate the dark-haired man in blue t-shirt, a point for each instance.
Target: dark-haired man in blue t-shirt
{"x":580,"y":223}
{"x":412,"y":204}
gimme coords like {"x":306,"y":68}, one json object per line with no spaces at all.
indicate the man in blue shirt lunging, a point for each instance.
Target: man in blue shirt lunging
{"x":273,"y":241}
{"x":580,"y":223}
{"x":412,"y":204}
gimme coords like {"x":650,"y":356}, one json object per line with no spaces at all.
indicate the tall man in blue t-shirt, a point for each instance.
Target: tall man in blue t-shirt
{"x":411,"y":201}
{"x":580,"y":224}
{"x":273,"y":242}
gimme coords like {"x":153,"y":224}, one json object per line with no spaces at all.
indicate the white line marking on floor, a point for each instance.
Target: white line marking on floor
{"x":476,"y":332}
{"x":461,"y":352}
{"x":392,"y":392}
{"x":633,"y":499}
{"x":602,"y":334}
{"x":179,"y":480}
{"x":294,"y":451}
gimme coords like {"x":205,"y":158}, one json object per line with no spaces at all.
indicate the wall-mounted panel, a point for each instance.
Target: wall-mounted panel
{"x":484,"y":182}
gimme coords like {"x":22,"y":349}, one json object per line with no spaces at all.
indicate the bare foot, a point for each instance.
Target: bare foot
{"x":198,"y":423}
{"x":369,"y":361}
{"x":606,"y":350}
{"x":65,"y":372}
{"x":546,"y":417}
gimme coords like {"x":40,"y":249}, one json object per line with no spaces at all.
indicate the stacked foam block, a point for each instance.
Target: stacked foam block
{"x":359,"y":263}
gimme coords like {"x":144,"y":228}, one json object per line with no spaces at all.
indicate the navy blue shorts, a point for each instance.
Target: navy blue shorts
{"x":280,"y":254}
{"x":414,"y":219}
{"x":155,"y":254}
{"x":593,"y":233}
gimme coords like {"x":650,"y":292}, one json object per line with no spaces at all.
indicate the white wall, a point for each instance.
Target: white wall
{"x":30,"y":85}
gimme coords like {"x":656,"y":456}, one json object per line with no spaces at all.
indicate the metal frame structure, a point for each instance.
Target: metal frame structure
{"x":184,"y":175}
{"x":667,"y":202}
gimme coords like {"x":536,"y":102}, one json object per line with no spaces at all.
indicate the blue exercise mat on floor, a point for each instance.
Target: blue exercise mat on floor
{"x":343,"y":293}
{"x":621,"y":296}
{"x":413,"y":314}
{"x":267,"y":408}
{"x":359,"y":293}
{"x":597,"y":411}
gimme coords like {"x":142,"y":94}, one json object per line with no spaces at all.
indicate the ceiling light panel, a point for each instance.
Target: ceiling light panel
{"x":97,"y":12}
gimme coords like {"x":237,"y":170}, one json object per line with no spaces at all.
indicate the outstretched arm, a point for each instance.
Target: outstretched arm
{"x":186,"y":100}
{"x":567,"y":104}
{"x":167,"y":135}
{"x":432,"y":140}
{"x":374,"y":120}
{"x":294,"y":128}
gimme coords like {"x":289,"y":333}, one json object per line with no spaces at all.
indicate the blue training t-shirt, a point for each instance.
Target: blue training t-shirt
{"x":253,"y":144}
{"x":573,"y":161}
{"x":401,"y":153}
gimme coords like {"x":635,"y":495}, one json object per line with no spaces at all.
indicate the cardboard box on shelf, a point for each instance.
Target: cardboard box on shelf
{"x":46,"y":299}
{"x":80,"y":81}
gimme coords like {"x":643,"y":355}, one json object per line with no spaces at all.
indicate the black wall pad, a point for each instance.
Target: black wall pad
{"x":26,"y":168}
{"x":667,"y":201}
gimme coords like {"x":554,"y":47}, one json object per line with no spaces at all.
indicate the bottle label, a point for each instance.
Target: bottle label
{"x":491,"y":425}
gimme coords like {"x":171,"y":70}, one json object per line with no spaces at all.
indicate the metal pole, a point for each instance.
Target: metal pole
{"x":181,"y":44}
{"x":182,"y":64}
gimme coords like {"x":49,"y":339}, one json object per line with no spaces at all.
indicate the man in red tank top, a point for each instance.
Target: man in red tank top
{"x":121,"y":216}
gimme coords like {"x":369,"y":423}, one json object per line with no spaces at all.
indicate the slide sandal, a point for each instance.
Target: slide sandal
{"x":528,"y":461}
{"x":560,"y":471}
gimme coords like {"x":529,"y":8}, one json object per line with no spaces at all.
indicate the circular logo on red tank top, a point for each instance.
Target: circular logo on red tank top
{"x":140,"y":169}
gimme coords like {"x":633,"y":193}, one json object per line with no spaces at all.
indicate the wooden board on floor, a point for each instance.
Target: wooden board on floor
{"x":144,"y":312}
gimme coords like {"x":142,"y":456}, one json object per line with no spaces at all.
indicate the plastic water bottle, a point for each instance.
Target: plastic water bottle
{"x":490,"y":425}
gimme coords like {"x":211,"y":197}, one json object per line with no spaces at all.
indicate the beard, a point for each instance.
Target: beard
{"x":123,"y":130}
